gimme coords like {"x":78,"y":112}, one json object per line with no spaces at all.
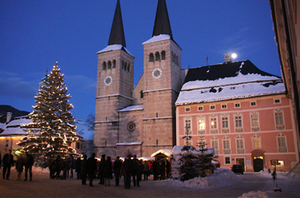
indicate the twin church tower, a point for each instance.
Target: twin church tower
{"x":137,"y":120}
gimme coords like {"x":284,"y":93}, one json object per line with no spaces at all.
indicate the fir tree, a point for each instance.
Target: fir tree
{"x":51,"y":132}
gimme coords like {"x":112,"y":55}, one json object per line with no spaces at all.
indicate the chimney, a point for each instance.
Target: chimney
{"x":8,"y":117}
{"x":227,"y":58}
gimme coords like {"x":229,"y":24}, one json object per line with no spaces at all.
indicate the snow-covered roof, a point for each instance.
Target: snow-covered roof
{"x":166,"y":152}
{"x":160,"y":37}
{"x":13,"y":132}
{"x":114,"y":47}
{"x":226,"y":82}
{"x":19,"y":121}
{"x":133,"y":108}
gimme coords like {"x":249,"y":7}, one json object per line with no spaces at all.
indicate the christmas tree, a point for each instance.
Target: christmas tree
{"x":51,"y":132}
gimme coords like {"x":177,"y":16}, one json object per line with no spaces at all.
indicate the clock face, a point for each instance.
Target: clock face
{"x":156,"y":73}
{"x":108,"y":80}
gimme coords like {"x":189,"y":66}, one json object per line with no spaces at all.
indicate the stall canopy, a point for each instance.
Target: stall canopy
{"x":166,"y":152}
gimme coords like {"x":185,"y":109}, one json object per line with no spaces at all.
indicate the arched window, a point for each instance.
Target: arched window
{"x":109,"y":65}
{"x":151,"y":57}
{"x":128,"y":67}
{"x":157,"y":56}
{"x":125,"y":66}
{"x":114,"y":63}
{"x":142,"y":94}
{"x":104,"y":66}
{"x":163,"y":55}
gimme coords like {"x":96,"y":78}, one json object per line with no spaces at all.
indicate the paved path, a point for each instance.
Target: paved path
{"x":42,"y":186}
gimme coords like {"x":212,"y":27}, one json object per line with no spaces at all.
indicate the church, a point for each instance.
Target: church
{"x":234,"y":107}
{"x":137,"y":120}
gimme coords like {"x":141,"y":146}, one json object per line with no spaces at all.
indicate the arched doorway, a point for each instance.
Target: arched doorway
{"x":258,"y":160}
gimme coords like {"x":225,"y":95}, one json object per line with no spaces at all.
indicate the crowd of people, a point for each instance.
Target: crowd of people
{"x":131,"y":168}
{"x":22,"y":161}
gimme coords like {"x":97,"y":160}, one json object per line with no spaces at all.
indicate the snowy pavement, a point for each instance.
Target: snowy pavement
{"x":222,"y":184}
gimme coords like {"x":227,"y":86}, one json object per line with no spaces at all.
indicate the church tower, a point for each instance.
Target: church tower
{"x":162,"y":83}
{"x":114,"y":86}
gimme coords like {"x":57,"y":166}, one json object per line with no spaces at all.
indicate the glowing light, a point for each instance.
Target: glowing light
{"x":233,"y":55}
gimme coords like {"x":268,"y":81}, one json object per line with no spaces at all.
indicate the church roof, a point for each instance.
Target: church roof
{"x":117,"y":35}
{"x":228,"y":81}
{"x":162,"y":23}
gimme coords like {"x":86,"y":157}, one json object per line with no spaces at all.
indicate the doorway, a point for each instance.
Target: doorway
{"x":258,"y":164}
{"x":241,"y":161}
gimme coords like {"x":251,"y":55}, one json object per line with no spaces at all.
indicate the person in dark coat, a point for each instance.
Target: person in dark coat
{"x":127,"y":167}
{"x":57,"y":166}
{"x":155,"y":169}
{"x":107,"y":171}
{"x":8,"y":161}
{"x":92,"y":168}
{"x":162,"y":170}
{"x":101,"y":165}
{"x":117,"y":170}
{"x":28,"y":162}
{"x":19,"y":167}
{"x":146,"y":170}
{"x":78,"y":167}
{"x":135,"y":171}
{"x":71,"y":165}
{"x":83,"y":169}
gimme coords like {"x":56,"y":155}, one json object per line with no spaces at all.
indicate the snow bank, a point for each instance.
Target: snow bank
{"x":221,"y":177}
{"x":253,"y":194}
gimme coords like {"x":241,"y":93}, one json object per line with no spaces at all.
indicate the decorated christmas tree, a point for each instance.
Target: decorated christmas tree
{"x":51,"y":133}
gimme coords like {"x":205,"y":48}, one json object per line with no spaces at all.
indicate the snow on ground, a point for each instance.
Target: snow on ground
{"x":221,"y":177}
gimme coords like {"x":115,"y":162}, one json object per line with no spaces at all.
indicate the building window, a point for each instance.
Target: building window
{"x":128,"y":67}
{"x":256,"y":141}
{"x":163,"y":55}
{"x":238,"y":123}
{"x":201,"y":125}
{"x":226,"y":145}
{"x":277,"y":101}
{"x":114,"y":63}
{"x":187,"y":124}
{"x":77,"y":145}
{"x":187,"y":109}
{"x":151,"y":57}
{"x":240,"y":145}
{"x":142,"y":94}
{"x":109,"y":65}
{"x":253,"y":103}
{"x":200,"y":108}
{"x":281,"y":140}
{"x":225,"y":122}
{"x":254,"y":122}
{"x":279,"y":119}
{"x":157,"y":56}
{"x":227,"y":160}
{"x":215,"y":144}
{"x":6,"y":143}
{"x":213,"y":123}
{"x":237,"y":105}
{"x":213,"y":107}
{"x":104,"y":66}
{"x":224,"y":106}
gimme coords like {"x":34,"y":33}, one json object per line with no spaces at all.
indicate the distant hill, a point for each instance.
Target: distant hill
{"x":15,"y":112}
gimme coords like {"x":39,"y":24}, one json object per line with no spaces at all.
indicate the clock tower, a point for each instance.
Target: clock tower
{"x":114,"y":86}
{"x":162,"y":82}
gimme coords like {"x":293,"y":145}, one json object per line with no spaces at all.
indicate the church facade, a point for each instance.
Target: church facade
{"x":138,"y":120}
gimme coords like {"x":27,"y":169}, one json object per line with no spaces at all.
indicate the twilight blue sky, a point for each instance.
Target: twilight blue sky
{"x":34,"y":34}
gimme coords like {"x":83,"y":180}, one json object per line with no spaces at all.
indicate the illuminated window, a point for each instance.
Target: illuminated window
{"x":256,"y":141}
{"x":213,"y":123}
{"x":201,"y":123}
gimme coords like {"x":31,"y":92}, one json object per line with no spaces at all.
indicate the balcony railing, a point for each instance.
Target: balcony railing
{"x":280,"y":127}
{"x":214,"y":131}
{"x":282,"y":149}
{"x":239,"y":130}
{"x":227,"y":151}
{"x":240,"y":151}
{"x":225,"y":130}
